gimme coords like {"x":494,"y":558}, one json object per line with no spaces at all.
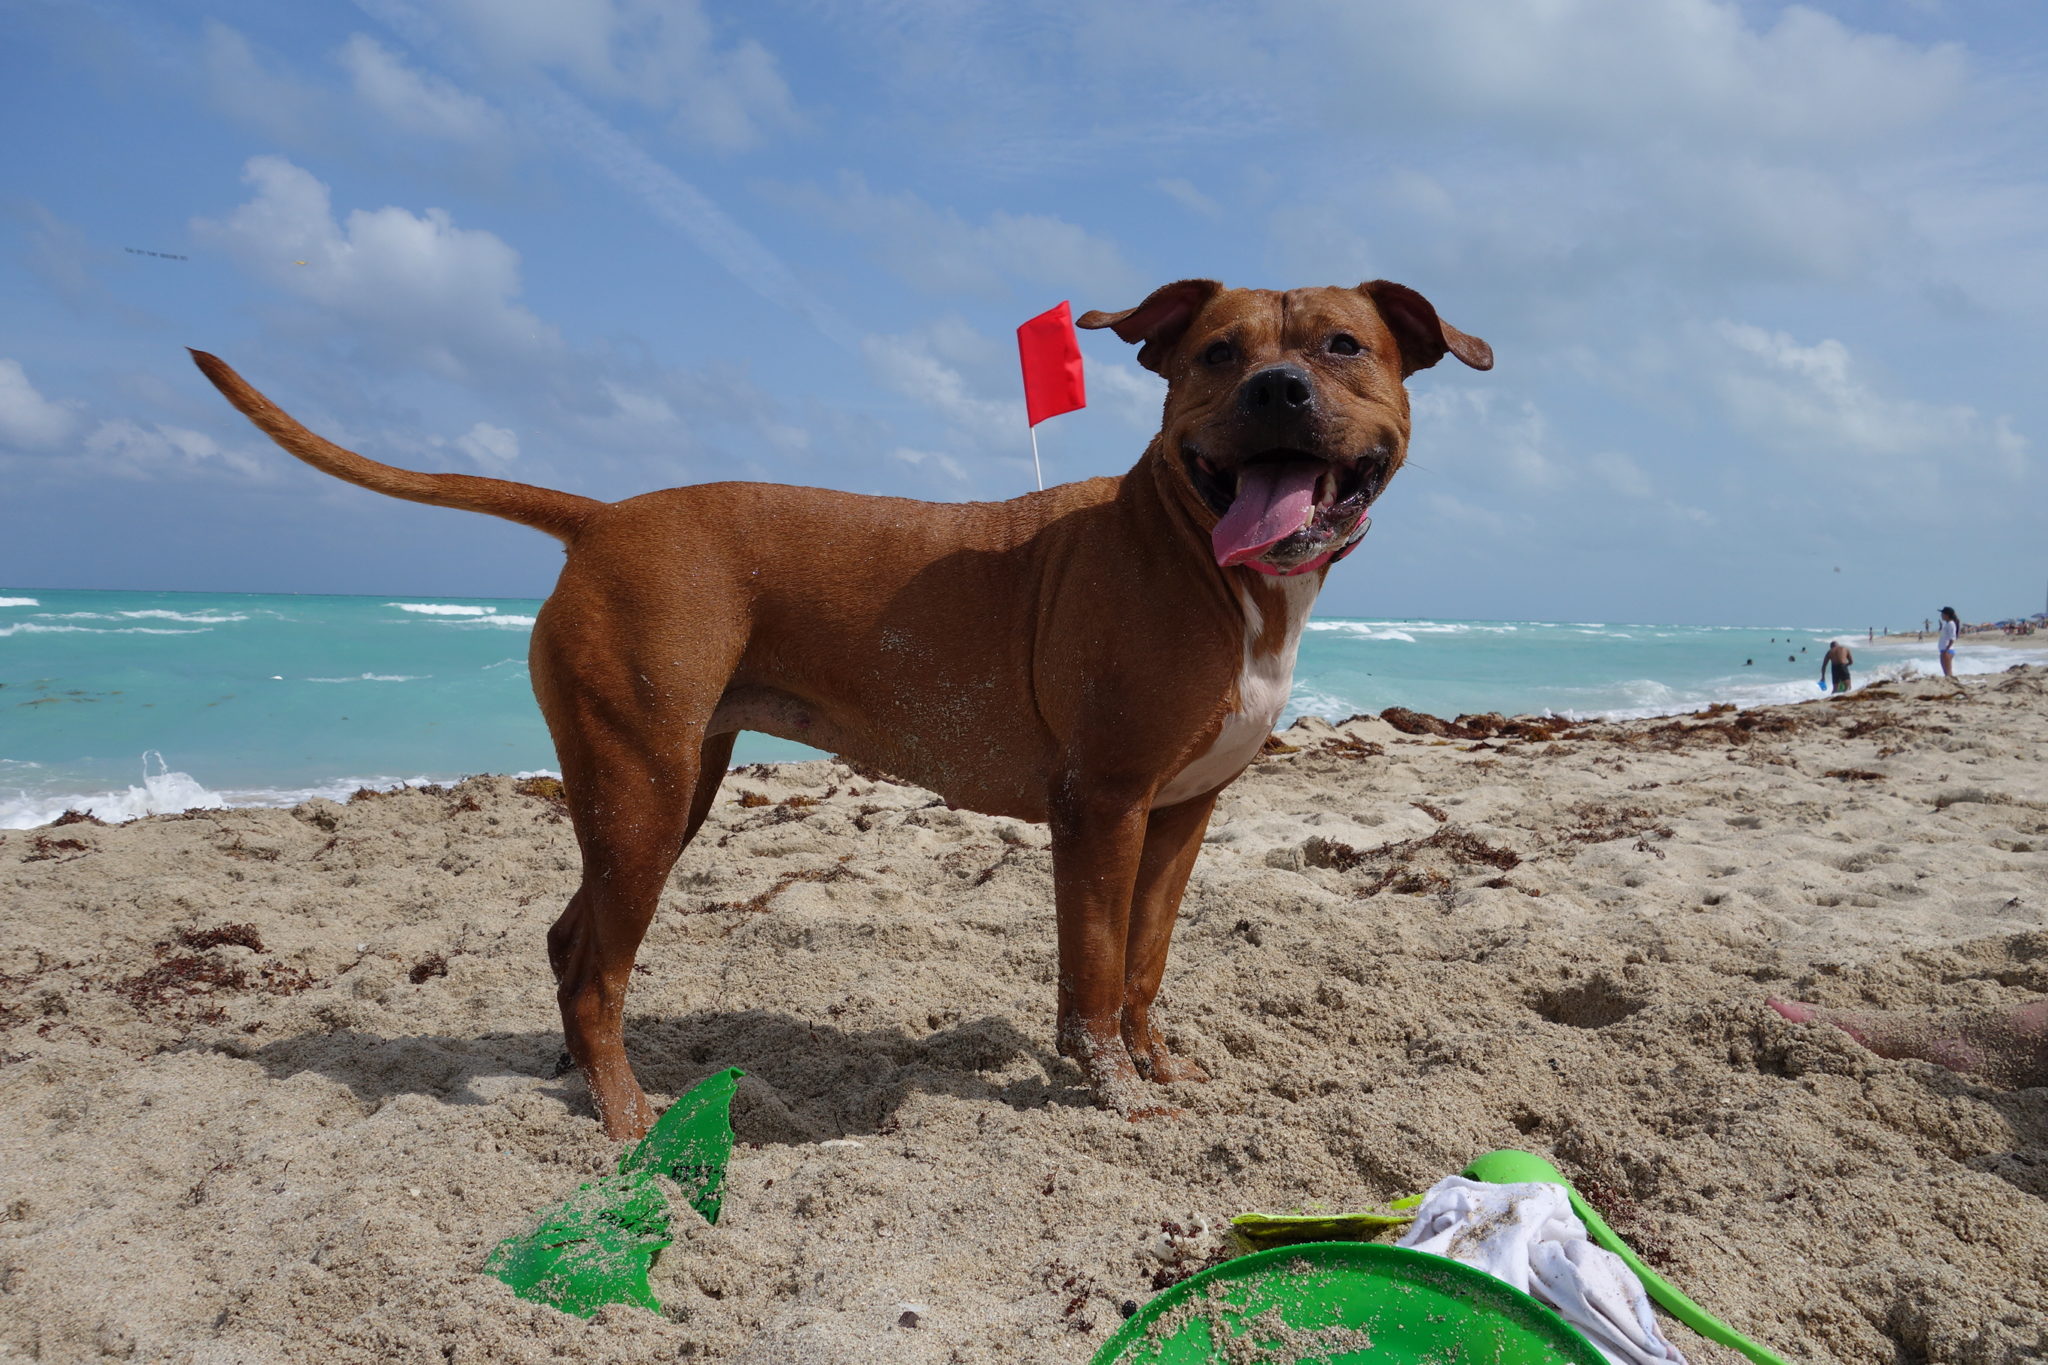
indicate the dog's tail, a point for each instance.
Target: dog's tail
{"x":544,"y":509}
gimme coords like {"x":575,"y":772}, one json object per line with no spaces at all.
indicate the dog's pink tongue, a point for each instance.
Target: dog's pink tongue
{"x":1273,"y":501}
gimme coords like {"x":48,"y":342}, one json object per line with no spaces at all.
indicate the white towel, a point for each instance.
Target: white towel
{"x":1529,"y":1236}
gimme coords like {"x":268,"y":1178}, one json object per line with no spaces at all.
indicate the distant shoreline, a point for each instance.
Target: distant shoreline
{"x":255,"y":700}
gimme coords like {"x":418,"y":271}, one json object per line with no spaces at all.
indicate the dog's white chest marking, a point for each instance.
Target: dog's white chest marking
{"x":1263,"y":685}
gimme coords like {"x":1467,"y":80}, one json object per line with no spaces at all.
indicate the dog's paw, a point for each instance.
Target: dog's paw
{"x":1167,"y":1069}
{"x":625,"y":1118}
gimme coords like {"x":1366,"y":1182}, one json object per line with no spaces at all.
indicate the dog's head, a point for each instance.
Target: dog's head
{"x":1286,"y":413}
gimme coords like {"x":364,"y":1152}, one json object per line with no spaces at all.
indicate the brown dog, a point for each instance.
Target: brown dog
{"x":1103,"y":656}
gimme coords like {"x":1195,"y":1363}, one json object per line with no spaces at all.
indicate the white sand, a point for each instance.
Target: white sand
{"x":311,"y":1165}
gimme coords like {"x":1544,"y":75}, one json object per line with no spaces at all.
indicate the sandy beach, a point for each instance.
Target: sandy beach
{"x":273,"y":1082}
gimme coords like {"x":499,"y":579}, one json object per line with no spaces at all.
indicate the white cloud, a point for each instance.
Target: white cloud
{"x":939,"y":251}
{"x":113,"y":447}
{"x":916,"y":458}
{"x":1613,"y":472}
{"x":917,"y":367}
{"x":969,"y":384}
{"x":637,"y":407}
{"x":253,"y":87}
{"x":416,"y":102}
{"x":1619,"y":473}
{"x":1451,"y":508}
{"x":1815,"y":400}
{"x":27,"y":419}
{"x":1134,"y":396}
{"x":127,"y":449}
{"x":666,"y":415}
{"x":437,"y":292}
{"x":59,"y":253}
{"x":1024,"y":89}
{"x":416,"y":291}
{"x":486,"y":445}
{"x":1188,"y":197}
{"x":1564,"y":155}
{"x":661,"y":54}
{"x":1622,"y":71}
{"x":1470,"y":426}
{"x":489,"y":446}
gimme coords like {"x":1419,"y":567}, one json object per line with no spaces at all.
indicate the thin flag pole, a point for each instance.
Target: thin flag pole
{"x":1034,"y":460}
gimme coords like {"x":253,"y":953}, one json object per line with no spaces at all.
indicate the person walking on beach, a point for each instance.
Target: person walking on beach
{"x":1951,"y":627}
{"x":1837,"y":662}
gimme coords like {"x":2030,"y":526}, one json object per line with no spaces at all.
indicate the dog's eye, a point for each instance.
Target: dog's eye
{"x":1344,"y":344}
{"x":1219,"y":353}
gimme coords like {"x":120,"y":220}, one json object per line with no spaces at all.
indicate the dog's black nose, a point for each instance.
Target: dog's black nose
{"x":1278,"y":392}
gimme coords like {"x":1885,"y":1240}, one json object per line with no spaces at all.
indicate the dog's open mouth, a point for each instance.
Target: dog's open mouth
{"x":1282,"y":509}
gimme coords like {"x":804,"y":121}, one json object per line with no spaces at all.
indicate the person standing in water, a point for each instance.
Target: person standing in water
{"x":1951,"y":627}
{"x":1837,"y":662}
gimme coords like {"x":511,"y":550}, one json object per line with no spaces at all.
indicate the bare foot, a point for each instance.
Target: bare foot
{"x":2006,"y":1046}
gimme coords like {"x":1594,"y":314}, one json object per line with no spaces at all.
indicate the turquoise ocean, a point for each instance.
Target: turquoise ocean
{"x":128,"y":703}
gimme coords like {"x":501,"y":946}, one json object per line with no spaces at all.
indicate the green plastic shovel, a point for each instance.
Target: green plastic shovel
{"x":690,"y":1144}
{"x":1510,"y":1167}
{"x":597,"y":1246}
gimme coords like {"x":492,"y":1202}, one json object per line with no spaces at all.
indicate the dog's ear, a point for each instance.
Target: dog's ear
{"x":1159,"y":321}
{"x":1422,"y":335}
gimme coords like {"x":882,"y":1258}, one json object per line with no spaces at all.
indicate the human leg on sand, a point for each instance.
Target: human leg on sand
{"x":2007,"y":1046}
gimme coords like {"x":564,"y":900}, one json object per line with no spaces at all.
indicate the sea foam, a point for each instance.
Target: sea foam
{"x":38,"y":628}
{"x":189,"y":617}
{"x":162,"y":791}
{"x":166,"y":792}
{"x":455,"y":614}
{"x":375,"y":677}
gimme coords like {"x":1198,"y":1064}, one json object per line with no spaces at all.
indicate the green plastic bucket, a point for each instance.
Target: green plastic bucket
{"x":1336,"y":1303}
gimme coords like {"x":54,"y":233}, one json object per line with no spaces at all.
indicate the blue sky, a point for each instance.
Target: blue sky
{"x":1766,"y":283}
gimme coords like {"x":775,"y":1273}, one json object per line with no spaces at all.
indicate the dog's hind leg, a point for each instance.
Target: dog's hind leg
{"x":711,"y":769}
{"x":630,"y":819}
{"x":1173,"y":839}
{"x":639,"y":781}
{"x":633,"y":819}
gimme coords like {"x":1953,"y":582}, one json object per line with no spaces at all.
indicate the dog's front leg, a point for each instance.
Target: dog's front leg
{"x":1098,"y":837}
{"x":1173,"y":840}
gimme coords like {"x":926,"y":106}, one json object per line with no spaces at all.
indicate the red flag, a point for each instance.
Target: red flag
{"x":1051,"y":355}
